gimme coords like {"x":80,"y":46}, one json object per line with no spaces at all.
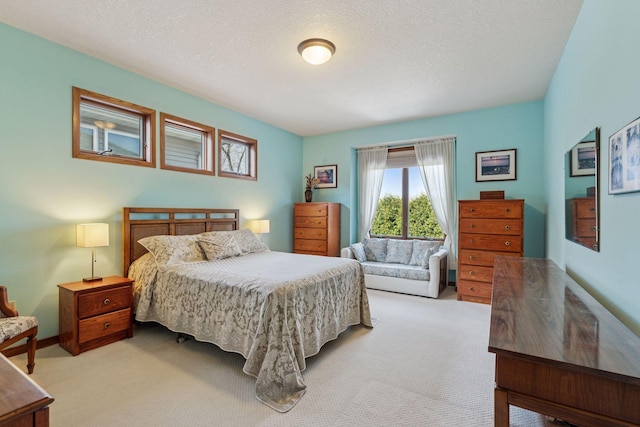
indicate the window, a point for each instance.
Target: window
{"x":404,"y":209}
{"x":110,"y":130}
{"x":185,"y":145}
{"x":237,"y":156}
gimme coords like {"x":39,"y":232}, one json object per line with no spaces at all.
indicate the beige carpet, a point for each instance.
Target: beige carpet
{"x":424,"y":364}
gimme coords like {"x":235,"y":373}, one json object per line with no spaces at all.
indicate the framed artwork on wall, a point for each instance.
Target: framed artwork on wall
{"x":583,"y":159}
{"x":624,"y":159}
{"x":496,"y":165}
{"x":327,"y":175}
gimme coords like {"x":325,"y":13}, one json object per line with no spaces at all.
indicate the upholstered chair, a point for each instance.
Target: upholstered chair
{"x":14,"y":328}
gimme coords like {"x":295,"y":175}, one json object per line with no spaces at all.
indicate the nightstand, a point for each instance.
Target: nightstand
{"x":93,"y":314}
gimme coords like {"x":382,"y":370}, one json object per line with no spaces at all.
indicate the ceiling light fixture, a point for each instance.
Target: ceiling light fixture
{"x":316,"y":51}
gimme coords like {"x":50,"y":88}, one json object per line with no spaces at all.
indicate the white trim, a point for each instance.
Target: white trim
{"x":406,"y":142}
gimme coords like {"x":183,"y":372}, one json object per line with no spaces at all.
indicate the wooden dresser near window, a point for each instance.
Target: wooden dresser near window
{"x":316,"y":228}
{"x":584,"y":221}
{"x":486,"y":228}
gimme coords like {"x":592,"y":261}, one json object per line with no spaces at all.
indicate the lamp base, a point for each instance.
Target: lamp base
{"x":91,"y":279}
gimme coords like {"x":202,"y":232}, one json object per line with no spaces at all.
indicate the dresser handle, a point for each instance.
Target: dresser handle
{"x":592,"y":209}
{"x":107,"y":301}
{"x":473,"y":226}
{"x":507,"y":243}
{"x":507,"y":227}
{"x":472,"y":210}
{"x":472,"y":257}
{"x":594,"y":228}
{"x":471,"y":241}
{"x":471,"y":273}
{"x":471,"y":288}
{"x":508,"y":210}
{"x":106,"y":325}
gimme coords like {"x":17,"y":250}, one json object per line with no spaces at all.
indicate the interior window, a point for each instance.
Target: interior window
{"x":185,"y":145}
{"x":237,"y":156}
{"x":110,"y":130}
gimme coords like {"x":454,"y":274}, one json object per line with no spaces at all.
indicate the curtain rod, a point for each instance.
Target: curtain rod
{"x":405,"y":142}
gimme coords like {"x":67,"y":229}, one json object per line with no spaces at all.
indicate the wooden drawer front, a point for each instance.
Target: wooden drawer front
{"x":95,"y":303}
{"x":310,"y":210}
{"x":311,"y":245}
{"x":586,"y":227}
{"x":106,"y":324}
{"x":485,"y":258}
{"x":491,"y":242}
{"x":491,"y":226}
{"x":310,"y":233}
{"x":475,"y":272}
{"x":479,"y":290}
{"x":490,"y":209}
{"x":585,"y":208}
{"x":310,"y":222}
{"x":310,"y":252}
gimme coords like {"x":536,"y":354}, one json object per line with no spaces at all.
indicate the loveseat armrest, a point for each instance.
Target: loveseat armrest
{"x":439,"y":269}
{"x":347,"y":253}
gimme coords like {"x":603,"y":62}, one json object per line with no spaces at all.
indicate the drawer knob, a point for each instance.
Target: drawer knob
{"x":592,"y":209}
{"x":107,"y":301}
{"x":471,"y":288}
{"x":472,"y":210}
{"x":471,"y":241}
{"x":508,"y":210}
{"x":593,"y":228}
{"x":106,"y":325}
{"x":507,"y":243}
{"x":507,"y":227}
{"x":473,"y":226}
{"x":472,"y":257}
{"x":471,"y":273}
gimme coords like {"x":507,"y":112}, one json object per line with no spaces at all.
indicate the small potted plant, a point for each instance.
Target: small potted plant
{"x":310,"y":182}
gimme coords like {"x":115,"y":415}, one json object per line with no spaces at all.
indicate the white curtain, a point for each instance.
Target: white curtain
{"x":371,"y":165}
{"x":436,"y":161}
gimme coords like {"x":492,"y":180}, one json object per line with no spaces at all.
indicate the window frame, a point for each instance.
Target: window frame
{"x":148,"y":116}
{"x":405,"y":204}
{"x":208,"y":151}
{"x":252,"y":145}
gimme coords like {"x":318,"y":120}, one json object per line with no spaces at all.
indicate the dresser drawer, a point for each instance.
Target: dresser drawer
{"x":310,"y":222}
{"x":310,"y":245}
{"x":310,"y":233}
{"x":467,"y":256}
{"x":310,"y":210}
{"x":106,"y":324}
{"x":491,"y":226}
{"x":490,"y":209}
{"x":475,"y":272}
{"x":491,"y":242}
{"x":474,"y":291}
{"x":585,"y":208}
{"x":586,"y":228}
{"x":100,"y":302}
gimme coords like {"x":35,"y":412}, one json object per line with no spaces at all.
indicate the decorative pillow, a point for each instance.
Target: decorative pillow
{"x":173,"y":250}
{"x":399,"y":251}
{"x":358,"y":251}
{"x":219,"y":246}
{"x":248,"y":242}
{"x":376,"y":249}
{"x":420,"y":249}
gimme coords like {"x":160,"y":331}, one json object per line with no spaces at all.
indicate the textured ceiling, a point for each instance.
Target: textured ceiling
{"x":395,"y":60}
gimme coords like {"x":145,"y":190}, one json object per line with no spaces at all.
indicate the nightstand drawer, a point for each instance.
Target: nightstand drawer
{"x":106,"y":324}
{"x":104,"y":301}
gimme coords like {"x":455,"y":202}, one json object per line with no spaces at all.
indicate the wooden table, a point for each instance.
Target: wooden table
{"x":558,"y":351}
{"x":22,"y":401}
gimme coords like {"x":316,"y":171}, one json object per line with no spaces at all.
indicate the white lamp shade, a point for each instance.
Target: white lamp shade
{"x":92,"y":235}
{"x":260,"y":226}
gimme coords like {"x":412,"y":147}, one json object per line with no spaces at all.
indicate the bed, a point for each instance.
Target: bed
{"x":196,"y":273}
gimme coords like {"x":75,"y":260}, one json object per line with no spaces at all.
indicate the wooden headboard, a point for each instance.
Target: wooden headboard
{"x":138,"y":223}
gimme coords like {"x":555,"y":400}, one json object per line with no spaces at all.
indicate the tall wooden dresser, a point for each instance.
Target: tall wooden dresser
{"x":317,"y":228}
{"x":486,"y":228}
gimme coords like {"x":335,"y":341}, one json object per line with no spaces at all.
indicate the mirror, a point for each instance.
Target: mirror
{"x":581,"y":191}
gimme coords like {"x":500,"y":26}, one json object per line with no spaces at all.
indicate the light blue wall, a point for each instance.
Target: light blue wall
{"x":597,"y":84}
{"x":517,"y":126}
{"x":45,"y":191}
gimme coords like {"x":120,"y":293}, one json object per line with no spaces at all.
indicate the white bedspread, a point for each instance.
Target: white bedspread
{"x":274,"y":308}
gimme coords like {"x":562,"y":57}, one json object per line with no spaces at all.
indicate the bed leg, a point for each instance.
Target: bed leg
{"x":180,"y":338}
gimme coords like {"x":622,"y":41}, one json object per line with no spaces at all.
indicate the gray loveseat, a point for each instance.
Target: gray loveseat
{"x":415,"y":267}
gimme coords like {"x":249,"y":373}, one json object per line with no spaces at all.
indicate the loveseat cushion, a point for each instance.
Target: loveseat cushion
{"x":396,"y":270}
{"x":376,"y":249}
{"x":358,"y":251}
{"x":399,"y":251}
{"x":422,"y":250}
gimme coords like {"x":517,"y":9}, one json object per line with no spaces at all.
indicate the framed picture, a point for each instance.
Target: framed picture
{"x":327,"y":175}
{"x":624,"y":159}
{"x":583,"y":159}
{"x":496,"y":165}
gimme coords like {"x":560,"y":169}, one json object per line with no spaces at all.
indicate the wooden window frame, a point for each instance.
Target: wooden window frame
{"x":208,"y":151}
{"x":148,"y":115}
{"x":253,"y":155}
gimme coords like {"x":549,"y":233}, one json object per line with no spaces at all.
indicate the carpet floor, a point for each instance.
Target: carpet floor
{"x":424,"y":364}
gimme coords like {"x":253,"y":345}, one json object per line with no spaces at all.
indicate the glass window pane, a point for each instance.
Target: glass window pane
{"x":117,"y":132}
{"x":388,"y":219}
{"x":184,"y":147}
{"x":422,"y":219}
{"x":235,"y":157}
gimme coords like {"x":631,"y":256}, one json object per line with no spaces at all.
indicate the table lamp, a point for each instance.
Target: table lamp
{"x":92,"y":236}
{"x":260,"y":226}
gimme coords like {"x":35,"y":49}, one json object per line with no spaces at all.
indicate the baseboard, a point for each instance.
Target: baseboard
{"x":41,"y":343}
